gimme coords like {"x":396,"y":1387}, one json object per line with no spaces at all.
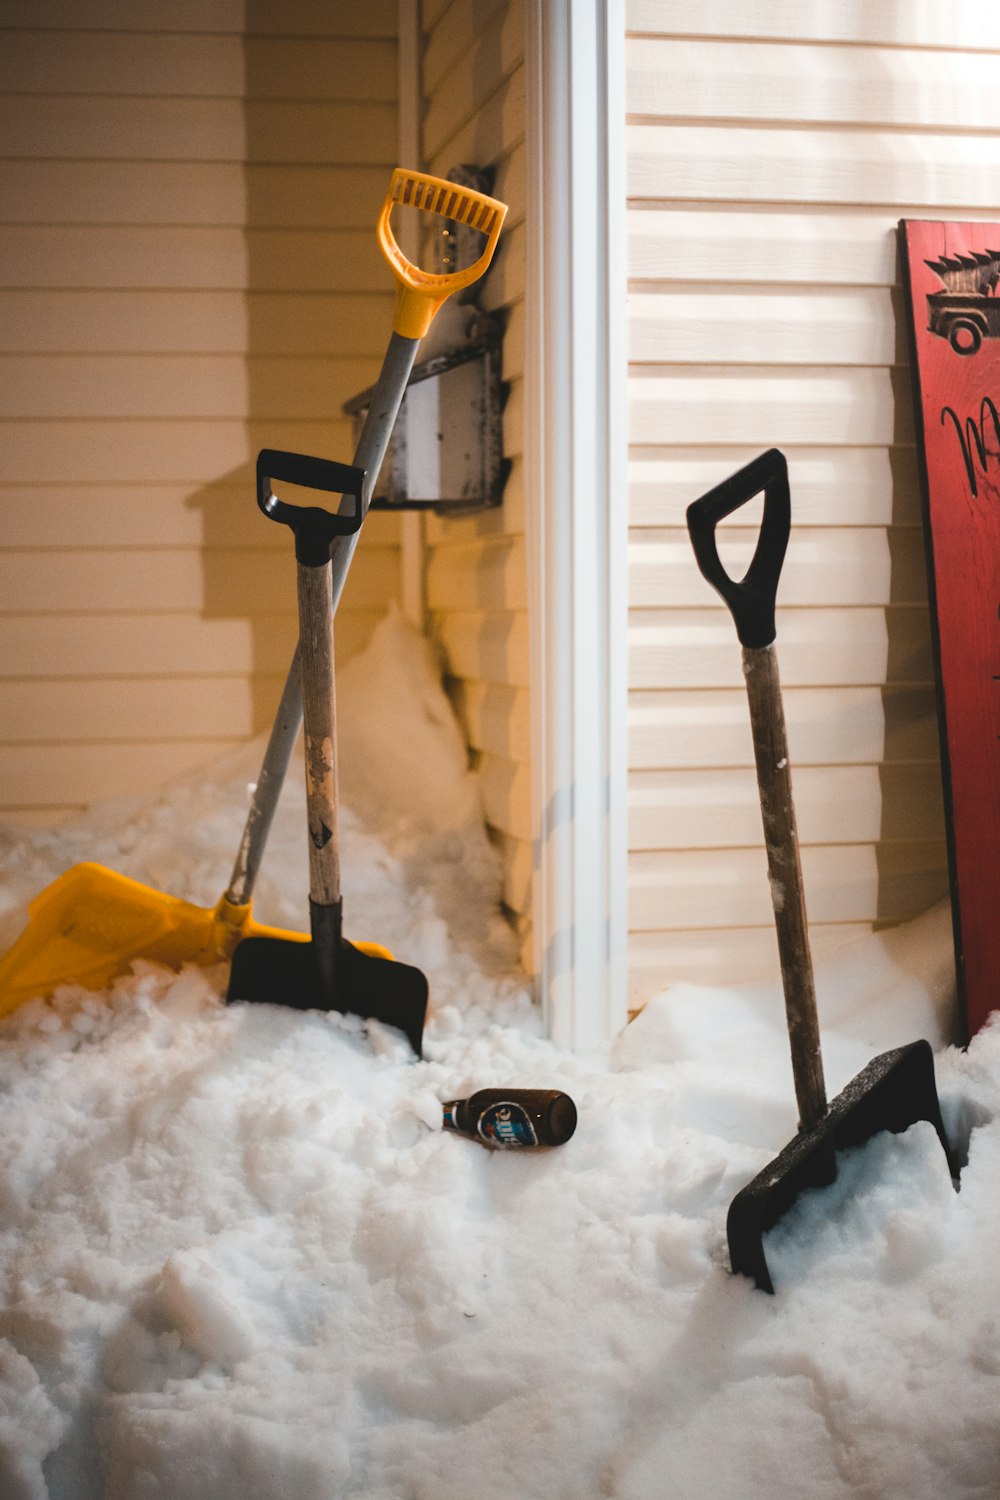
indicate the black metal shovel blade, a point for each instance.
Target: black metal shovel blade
{"x":893,"y":1092}
{"x":274,"y":971}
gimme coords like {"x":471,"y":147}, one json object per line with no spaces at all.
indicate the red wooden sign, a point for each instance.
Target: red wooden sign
{"x":952,"y":277}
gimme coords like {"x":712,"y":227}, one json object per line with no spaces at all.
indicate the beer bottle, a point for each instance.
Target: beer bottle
{"x":513,"y":1117}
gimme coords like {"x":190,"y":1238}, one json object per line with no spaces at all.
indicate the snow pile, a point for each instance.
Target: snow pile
{"x":238,"y":1256}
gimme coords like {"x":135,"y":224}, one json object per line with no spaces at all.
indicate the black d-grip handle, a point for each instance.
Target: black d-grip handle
{"x":314,"y":527}
{"x":751,"y":600}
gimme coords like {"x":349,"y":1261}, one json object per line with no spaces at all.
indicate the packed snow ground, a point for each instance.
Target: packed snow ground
{"x":238,"y":1256}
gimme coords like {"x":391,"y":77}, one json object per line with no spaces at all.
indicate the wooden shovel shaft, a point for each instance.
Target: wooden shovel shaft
{"x":767,"y":720}
{"x":320,"y":731}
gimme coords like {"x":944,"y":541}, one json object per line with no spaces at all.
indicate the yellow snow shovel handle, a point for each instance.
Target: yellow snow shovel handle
{"x":419,"y":293}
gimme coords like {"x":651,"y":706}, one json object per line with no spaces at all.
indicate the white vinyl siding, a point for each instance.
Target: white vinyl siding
{"x":772,"y":148}
{"x":188,"y":272}
{"x":473,"y":86}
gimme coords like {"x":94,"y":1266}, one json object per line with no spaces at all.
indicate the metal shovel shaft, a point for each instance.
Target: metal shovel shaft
{"x":371,"y":450}
{"x":767,"y":720}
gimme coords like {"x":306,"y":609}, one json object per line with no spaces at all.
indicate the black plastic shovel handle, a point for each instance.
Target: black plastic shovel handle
{"x":751,"y":599}
{"x":314,"y":527}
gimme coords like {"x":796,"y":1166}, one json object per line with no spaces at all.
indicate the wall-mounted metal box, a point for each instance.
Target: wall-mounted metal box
{"x":446,"y":452}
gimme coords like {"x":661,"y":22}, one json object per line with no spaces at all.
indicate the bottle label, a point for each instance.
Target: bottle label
{"x":506,"y":1124}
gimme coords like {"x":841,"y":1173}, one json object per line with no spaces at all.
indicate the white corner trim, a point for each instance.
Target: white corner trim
{"x":576,"y":479}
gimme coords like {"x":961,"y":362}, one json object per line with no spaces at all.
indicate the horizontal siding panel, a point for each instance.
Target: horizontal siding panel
{"x":133,"y":709}
{"x":843,"y":883}
{"x":460,"y":96}
{"x":702,"y":163}
{"x":282,"y":388}
{"x":191,"y":193}
{"x":193,"y":322}
{"x":876,"y":22}
{"x":220,"y":16}
{"x":147,"y":645}
{"x":86,"y":128}
{"x":478,"y":576}
{"x":109,"y":62}
{"x":525,"y":933}
{"x":98,"y":772}
{"x":169,"y":64}
{"x":513,"y":421}
{"x":148,"y":515}
{"x":713,"y":956}
{"x":511,"y":185}
{"x":287,"y":196}
{"x":190,"y":273}
{"x":504,"y":520}
{"x":355,"y":68}
{"x":829,"y":487}
{"x":751,"y":244}
{"x":515,"y":856}
{"x":702,"y":727}
{"x":248,"y":582}
{"x":854,"y":85}
{"x":42,"y":817}
{"x":834,"y":804}
{"x":487,"y":647}
{"x":505,"y":786}
{"x":496,"y":718}
{"x":505,"y":284}
{"x":174,"y":452}
{"x":376,"y":18}
{"x":770,"y":408}
{"x":824,"y":566}
{"x":514,"y":344}
{"x":467,"y":26}
{"x":716,"y":325}
{"x":690,"y":648}
{"x":224,"y":259}
{"x":142,"y":645}
{"x":482,"y":136}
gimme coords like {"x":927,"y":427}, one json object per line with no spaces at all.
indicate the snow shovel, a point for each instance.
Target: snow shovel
{"x":897,"y":1088}
{"x":89,"y":925}
{"x":327,"y":972}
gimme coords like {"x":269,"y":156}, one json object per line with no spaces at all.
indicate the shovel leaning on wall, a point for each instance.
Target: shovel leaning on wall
{"x":897,"y":1088}
{"x":89,"y":925}
{"x":327,"y":972}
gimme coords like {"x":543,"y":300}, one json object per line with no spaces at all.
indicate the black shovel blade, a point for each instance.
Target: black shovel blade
{"x":893,"y":1092}
{"x":275,"y":971}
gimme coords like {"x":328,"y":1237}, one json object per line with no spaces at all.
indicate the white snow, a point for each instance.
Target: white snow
{"x":239,"y":1257}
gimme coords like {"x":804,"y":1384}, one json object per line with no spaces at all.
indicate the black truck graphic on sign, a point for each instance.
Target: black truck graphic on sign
{"x":968,"y":310}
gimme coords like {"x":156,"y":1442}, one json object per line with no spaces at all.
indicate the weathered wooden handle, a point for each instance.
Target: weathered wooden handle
{"x":767,"y":721}
{"x":320,"y":731}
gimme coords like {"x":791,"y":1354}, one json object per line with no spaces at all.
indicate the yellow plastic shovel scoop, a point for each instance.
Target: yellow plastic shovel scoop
{"x":89,"y":925}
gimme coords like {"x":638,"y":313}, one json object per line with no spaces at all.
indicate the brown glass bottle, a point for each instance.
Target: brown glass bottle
{"x":513,"y":1118}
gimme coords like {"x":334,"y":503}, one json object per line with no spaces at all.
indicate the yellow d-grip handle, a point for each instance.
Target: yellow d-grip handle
{"x":419,"y":293}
